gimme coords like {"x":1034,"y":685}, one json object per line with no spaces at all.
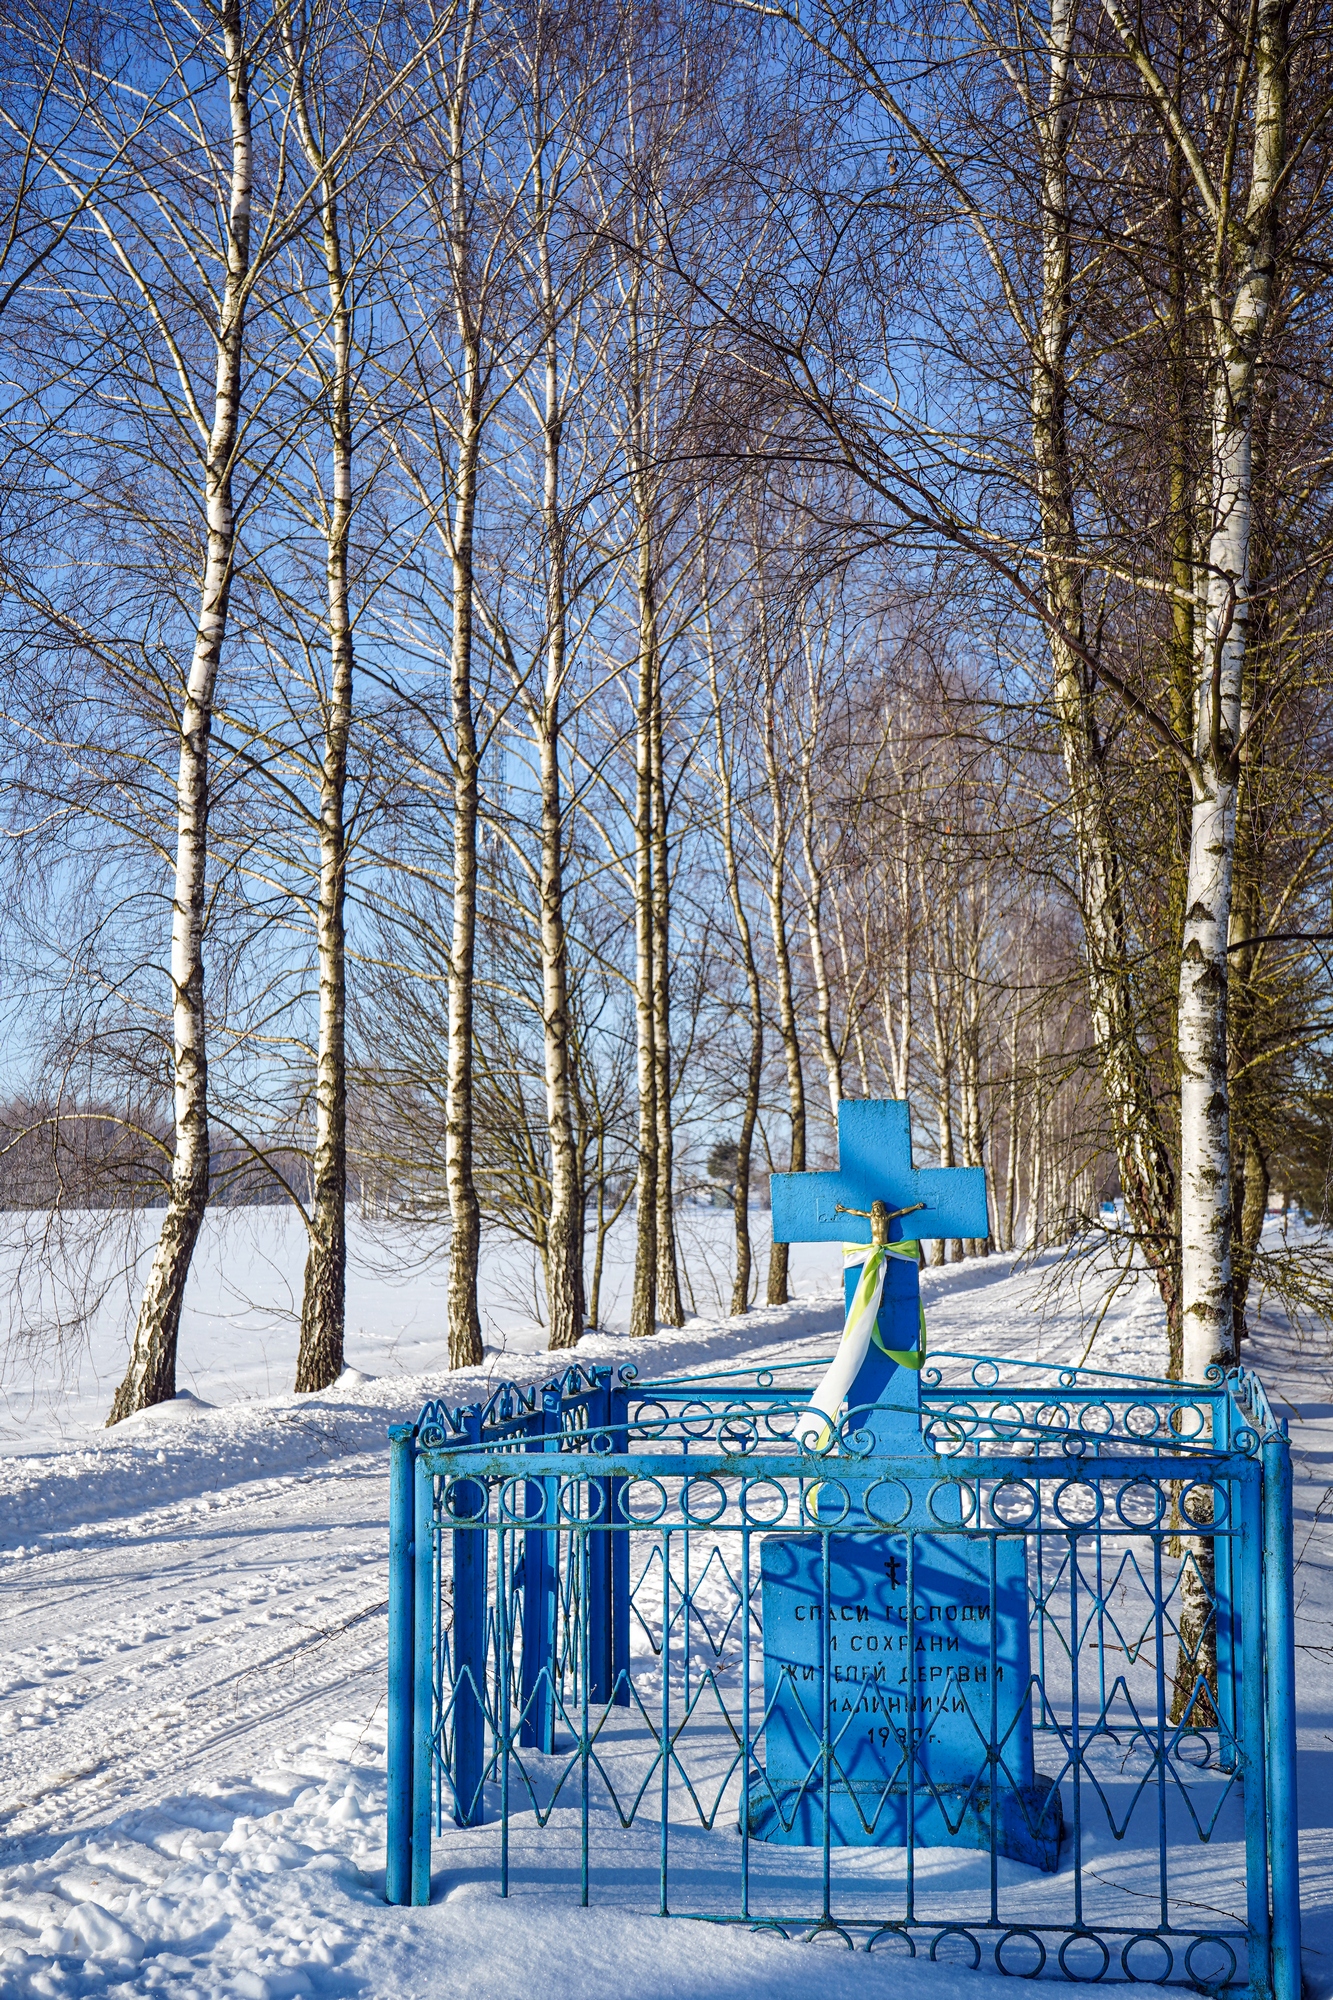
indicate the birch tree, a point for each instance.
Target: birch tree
{"x":1239,"y":190}
{"x":151,"y":1374}
{"x":319,"y":1360}
{"x":562,"y":88}
{"x":723,"y":777}
{"x":1032,"y":65}
{"x":776,"y":835}
{"x":445,"y":114}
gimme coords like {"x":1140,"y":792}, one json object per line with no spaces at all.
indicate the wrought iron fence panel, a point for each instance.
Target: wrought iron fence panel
{"x":1026,"y":1699}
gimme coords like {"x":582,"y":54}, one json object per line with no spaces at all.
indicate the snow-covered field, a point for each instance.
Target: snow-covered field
{"x":192,"y":1681}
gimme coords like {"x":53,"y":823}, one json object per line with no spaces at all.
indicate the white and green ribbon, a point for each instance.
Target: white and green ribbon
{"x":858,"y":1332}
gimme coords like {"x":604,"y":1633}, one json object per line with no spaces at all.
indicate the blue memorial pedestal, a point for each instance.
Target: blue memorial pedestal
{"x":917,"y":1694}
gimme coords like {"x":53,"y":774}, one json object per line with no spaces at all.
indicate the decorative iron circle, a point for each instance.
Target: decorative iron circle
{"x":1204,"y":1523}
{"x":1007,"y":1420}
{"x":943,"y":1440}
{"x":1080,"y":1938}
{"x":1073,"y":1446}
{"x":650,"y":1418}
{"x":780,"y":1422}
{"x":738,"y":1435}
{"x":955,"y":1931}
{"x":466,"y":1499}
{"x":813,"y":1502}
{"x":572,"y":1494}
{"x":966,"y":1502}
{"x":1210,"y":1981}
{"x":695,"y":1420}
{"x":601,"y":1442}
{"x":1144,"y":1492}
{"x":1187,"y":1421}
{"x":515,"y":1496}
{"x":985,"y":1374}
{"x":899,"y":1932}
{"x":1142,"y":1420}
{"x":878,"y":1508}
{"x":712,"y":1490}
{"x":1089,"y":1494}
{"x":1245,"y":1441}
{"x":631,"y":1503}
{"x":748,"y":1512}
{"x":827,"y":1932}
{"x":1013,"y":1971}
{"x":1155,"y":1943}
{"x":1051,"y":1416}
{"x":1015,"y":1503}
{"x":1105,"y":1419}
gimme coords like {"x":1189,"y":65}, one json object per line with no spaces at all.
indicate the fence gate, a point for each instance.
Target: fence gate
{"x":1025,"y":1700}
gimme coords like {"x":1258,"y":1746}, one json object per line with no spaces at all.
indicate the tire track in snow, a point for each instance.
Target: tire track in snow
{"x":308,"y":1546}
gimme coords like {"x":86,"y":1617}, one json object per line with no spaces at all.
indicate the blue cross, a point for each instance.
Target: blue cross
{"x":875,"y":1164}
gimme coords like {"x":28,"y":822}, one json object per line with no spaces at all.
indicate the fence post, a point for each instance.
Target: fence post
{"x":601,"y":1674}
{"x":423,"y":1680}
{"x":1224,"y":1584}
{"x":1280,"y":1688}
{"x":1253,"y":1709}
{"x":469,"y":1501}
{"x":398,"y":1863}
{"x":617,"y":1491}
{"x":540,"y":1584}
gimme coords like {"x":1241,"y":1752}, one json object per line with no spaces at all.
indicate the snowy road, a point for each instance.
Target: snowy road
{"x":191,"y":1705}
{"x":112,"y":1690}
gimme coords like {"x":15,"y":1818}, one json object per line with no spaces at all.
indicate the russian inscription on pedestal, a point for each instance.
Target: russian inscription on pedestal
{"x":919,"y":1687}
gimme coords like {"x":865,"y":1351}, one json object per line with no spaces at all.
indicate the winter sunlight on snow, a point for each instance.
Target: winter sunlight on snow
{"x":192,"y":1688}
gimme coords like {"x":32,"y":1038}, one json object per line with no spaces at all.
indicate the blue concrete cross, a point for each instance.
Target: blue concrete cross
{"x":875,"y":1164}
{"x":931,"y":1730}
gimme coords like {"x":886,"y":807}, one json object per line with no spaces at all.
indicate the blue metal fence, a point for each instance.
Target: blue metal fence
{"x":593,"y":1664}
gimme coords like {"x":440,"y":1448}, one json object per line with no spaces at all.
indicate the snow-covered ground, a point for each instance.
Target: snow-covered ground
{"x":192,"y":1681}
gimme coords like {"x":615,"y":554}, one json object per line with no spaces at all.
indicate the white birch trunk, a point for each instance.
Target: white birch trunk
{"x":465,"y":1344}
{"x":779,"y":1253}
{"x":1011,"y":1160}
{"x":564,"y":1244}
{"x":670,"y":1311}
{"x":829,"y":1051}
{"x":1205,"y":1192}
{"x":941,"y":1251}
{"x":319,"y":1359}
{"x":969,"y":1008}
{"x":754,"y":1069}
{"x":854,"y":984}
{"x":1036,"y":1224}
{"x":151,"y":1375}
{"x":650,"y":926}
{"x":643,"y":1303}
{"x":1146,"y":1172}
